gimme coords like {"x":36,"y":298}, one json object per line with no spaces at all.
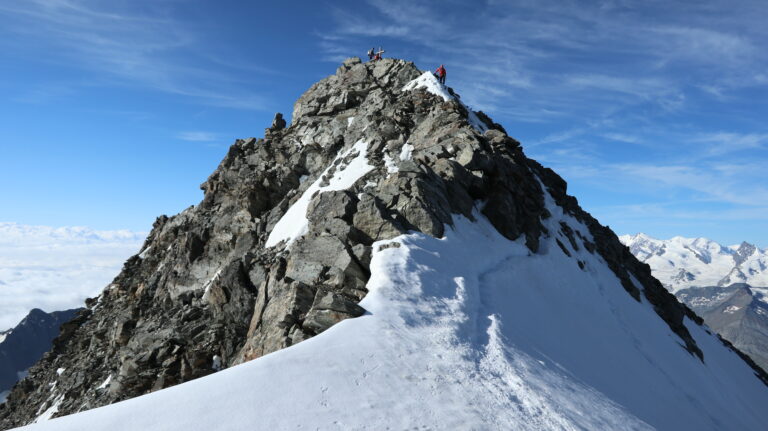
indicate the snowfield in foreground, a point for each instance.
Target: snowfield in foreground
{"x":470,"y":331}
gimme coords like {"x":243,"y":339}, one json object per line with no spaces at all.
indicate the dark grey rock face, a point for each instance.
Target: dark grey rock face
{"x":205,"y":292}
{"x":25,"y":344}
{"x":737,"y":313}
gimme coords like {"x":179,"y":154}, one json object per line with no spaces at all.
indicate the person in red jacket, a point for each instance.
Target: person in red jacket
{"x":440,"y":72}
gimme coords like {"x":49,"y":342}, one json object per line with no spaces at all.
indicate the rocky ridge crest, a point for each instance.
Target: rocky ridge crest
{"x":205,"y":293}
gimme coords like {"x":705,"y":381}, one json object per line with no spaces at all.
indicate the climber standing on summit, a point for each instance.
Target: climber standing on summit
{"x":440,"y":73}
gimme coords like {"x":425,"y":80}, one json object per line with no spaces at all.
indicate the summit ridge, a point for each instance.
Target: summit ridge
{"x":390,"y":258}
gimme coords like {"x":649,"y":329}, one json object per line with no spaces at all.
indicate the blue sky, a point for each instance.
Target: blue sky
{"x":113,"y":112}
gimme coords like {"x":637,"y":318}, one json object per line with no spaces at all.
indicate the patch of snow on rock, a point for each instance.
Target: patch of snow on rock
{"x":52,"y":410}
{"x":391,"y":165}
{"x":105,"y":383}
{"x":406,"y":152}
{"x":294,"y":222}
{"x":429,"y":82}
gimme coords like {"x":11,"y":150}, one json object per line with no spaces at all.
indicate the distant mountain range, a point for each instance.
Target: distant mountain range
{"x":726,"y":285}
{"x":685,"y":262}
{"x":738,"y":312}
{"x":22,"y":346}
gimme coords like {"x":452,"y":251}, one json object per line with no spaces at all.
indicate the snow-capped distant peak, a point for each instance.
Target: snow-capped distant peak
{"x":681,"y":262}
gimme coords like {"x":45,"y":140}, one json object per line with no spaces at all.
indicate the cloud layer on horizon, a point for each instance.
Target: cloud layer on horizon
{"x":57,"y":268}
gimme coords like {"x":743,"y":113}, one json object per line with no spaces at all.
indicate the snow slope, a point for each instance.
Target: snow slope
{"x":470,"y":331}
{"x":685,"y":262}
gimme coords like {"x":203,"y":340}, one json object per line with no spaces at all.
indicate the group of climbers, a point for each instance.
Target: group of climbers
{"x":374,"y":55}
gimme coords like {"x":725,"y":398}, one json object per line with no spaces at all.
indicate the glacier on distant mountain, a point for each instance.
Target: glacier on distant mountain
{"x":726,"y":286}
{"x":685,"y":262}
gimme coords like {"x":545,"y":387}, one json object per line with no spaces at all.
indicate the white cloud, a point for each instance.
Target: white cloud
{"x":704,"y":45}
{"x":726,"y":142}
{"x":718,"y":183}
{"x":57,"y":268}
{"x":622,"y":137}
{"x":643,"y":88}
{"x":669,"y":211}
{"x":198,"y":136}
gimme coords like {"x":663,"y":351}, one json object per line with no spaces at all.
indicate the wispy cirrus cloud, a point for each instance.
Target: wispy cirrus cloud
{"x":198,"y":136}
{"x":703,"y":45}
{"x":139,"y":46}
{"x":731,"y":184}
{"x":719,"y":143}
{"x":582,"y":58}
{"x":649,"y":102}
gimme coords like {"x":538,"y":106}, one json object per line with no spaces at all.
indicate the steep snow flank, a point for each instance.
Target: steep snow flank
{"x":294,"y":222}
{"x":471,"y":331}
{"x":429,"y":82}
{"x":685,"y":262}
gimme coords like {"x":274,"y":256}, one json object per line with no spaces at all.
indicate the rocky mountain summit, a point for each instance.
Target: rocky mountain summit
{"x":280,"y":247}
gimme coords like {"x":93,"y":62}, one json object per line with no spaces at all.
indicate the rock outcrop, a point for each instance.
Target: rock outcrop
{"x":279,"y":248}
{"x":739,"y":313}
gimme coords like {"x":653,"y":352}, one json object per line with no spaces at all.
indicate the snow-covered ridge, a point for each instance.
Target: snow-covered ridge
{"x":471,"y":331}
{"x":685,"y":262}
{"x":429,"y":82}
{"x":465,"y":328}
